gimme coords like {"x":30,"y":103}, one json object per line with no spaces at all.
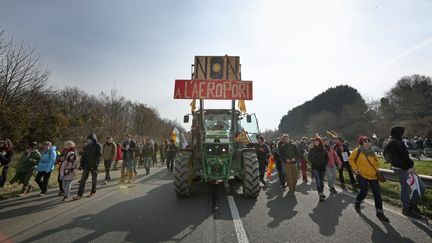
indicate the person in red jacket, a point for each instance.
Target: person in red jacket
{"x":119,"y":156}
{"x":333,"y":161}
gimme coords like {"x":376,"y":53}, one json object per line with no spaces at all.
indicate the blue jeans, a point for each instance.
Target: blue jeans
{"x":319,"y":179}
{"x":405,"y":193}
{"x":374,"y":185}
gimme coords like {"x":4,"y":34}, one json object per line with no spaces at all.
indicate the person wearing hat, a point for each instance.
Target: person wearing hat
{"x":332,"y":163}
{"x":89,"y":163}
{"x":25,"y":167}
{"x":365,"y":165}
{"x":397,"y":154}
{"x":318,"y":158}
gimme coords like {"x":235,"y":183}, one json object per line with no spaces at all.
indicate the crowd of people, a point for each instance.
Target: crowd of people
{"x":130,"y":153}
{"x":328,"y":156}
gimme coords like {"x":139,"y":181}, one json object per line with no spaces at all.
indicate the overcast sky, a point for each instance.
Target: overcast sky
{"x":291,"y":50}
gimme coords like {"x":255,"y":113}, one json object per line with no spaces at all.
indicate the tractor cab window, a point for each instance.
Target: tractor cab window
{"x":217,"y":122}
{"x":250,"y":127}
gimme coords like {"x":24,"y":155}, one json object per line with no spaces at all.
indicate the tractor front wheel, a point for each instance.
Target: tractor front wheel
{"x":183,"y":174}
{"x":251,"y":186}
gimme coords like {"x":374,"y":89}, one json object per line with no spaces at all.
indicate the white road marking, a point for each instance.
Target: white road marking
{"x":238,"y":225}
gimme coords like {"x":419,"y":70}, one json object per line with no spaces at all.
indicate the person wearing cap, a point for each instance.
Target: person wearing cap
{"x":332,"y":163}
{"x":397,"y":154}
{"x":25,"y":167}
{"x":289,"y":155}
{"x":45,"y":167}
{"x":318,"y":159}
{"x":89,"y":163}
{"x":365,"y":165}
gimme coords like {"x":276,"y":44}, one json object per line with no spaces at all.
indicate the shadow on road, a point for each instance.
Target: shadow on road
{"x":379,"y":235}
{"x":280,"y":208}
{"x":326,"y":214}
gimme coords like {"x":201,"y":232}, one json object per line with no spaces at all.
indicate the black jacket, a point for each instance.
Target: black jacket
{"x":287,"y":151}
{"x":396,"y":151}
{"x":92,"y":154}
{"x":318,"y":158}
{"x":262,"y":152}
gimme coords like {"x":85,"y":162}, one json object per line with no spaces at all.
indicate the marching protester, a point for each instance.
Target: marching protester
{"x":119,"y":155}
{"x":45,"y":167}
{"x":68,"y":167}
{"x":89,"y":164}
{"x":332,"y":163}
{"x":147,"y":154}
{"x":25,"y":167}
{"x":68,"y":147}
{"x":155,"y":151}
{"x":364,"y":163}
{"x":342,"y":150}
{"x":275,"y":153}
{"x":397,"y":154}
{"x":163,"y":151}
{"x":109,"y":155}
{"x":318,"y":158}
{"x":172,"y":153}
{"x":263,"y":153}
{"x":129,"y":147}
{"x":303,"y":149}
{"x":6,"y":155}
{"x":289,"y":154}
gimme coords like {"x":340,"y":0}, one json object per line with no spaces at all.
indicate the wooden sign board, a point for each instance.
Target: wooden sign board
{"x":213,"y":89}
{"x":217,"y":68}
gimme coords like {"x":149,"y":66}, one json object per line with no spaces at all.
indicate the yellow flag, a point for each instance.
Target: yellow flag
{"x":193,"y":105}
{"x":242,"y":106}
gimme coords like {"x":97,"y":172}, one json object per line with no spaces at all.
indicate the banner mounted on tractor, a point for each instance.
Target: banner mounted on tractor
{"x":213,"y":89}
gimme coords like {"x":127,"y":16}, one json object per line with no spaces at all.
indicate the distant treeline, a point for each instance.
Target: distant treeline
{"x":31,"y":110}
{"x":342,"y":109}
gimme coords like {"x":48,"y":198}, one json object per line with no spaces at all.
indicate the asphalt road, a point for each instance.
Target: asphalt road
{"x":148,"y":211}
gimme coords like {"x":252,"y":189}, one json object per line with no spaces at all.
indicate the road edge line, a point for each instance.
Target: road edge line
{"x":238,"y":224}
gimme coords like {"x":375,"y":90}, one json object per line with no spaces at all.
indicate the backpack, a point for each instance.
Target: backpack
{"x":386,"y":153}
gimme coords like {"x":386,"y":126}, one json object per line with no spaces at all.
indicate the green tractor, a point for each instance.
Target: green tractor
{"x":221,"y":148}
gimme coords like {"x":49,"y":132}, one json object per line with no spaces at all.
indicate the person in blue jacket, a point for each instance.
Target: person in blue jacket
{"x":45,"y":166}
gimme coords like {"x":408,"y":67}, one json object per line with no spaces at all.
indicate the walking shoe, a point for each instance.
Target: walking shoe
{"x":91,"y":194}
{"x":60,"y":194}
{"x":105,"y":182}
{"x":42,"y":195}
{"x":64,"y":198}
{"x":343,"y":186}
{"x":357,"y":207}
{"x":382,"y":217}
{"x":22,"y":194}
{"x":409,"y":212}
{"x":416,"y":210}
{"x":322,"y":197}
{"x":76,"y":197}
{"x":332,"y":190}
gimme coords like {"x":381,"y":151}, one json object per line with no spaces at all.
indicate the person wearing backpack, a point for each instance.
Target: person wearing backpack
{"x":397,"y":154}
{"x":45,"y":167}
{"x":365,"y":165}
{"x":318,"y":158}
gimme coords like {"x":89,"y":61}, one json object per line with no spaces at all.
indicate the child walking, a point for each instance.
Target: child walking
{"x":68,"y":168}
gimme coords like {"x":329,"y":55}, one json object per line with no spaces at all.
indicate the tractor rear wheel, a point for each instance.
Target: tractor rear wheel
{"x":251,"y":186}
{"x":183,"y":174}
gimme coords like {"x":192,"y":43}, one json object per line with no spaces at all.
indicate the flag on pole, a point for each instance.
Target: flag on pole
{"x":242,"y":106}
{"x":193,"y":105}
{"x":413,"y":184}
{"x":175,"y":136}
